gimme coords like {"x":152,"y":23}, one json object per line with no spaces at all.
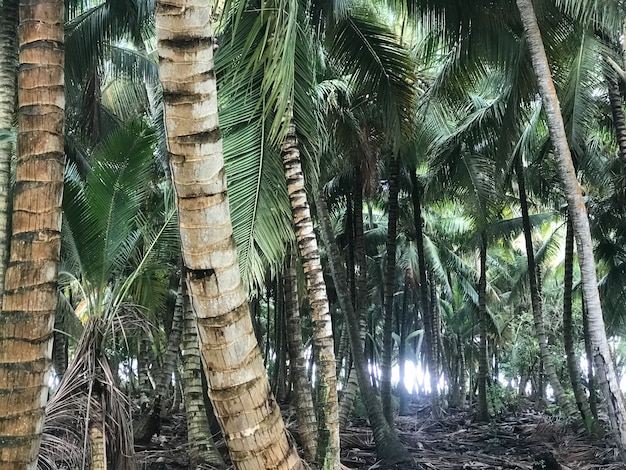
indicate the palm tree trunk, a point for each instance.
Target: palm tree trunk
{"x":602,"y":357}
{"x":8,"y":95}
{"x":390,"y":287}
{"x":143,"y":373}
{"x":201,"y":448}
{"x":559,"y":393}
{"x":593,"y":395}
{"x":323,"y":343}
{"x":170,"y":356}
{"x":568,"y":329}
{"x":30,"y":295}
{"x":427,"y":314}
{"x":483,"y":363}
{"x":237,"y":382}
{"x":303,"y":401}
{"x":388,"y":446}
{"x":619,"y":120}
{"x":98,"y":445}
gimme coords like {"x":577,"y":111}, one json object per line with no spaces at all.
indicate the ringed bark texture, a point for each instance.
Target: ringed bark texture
{"x":8,"y":97}
{"x":30,"y":295}
{"x":238,"y":385}
{"x":324,"y":346}
{"x":302,"y":399}
{"x":578,"y":212}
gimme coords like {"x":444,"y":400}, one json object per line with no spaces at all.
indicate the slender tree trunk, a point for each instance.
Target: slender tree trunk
{"x":568,"y":329}
{"x":324,"y":346}
{"x":237,"y":382}
{"x":30,"y":295}
{"x":8,"y":97}
{"x":390,"y":287}
{"x":404,"y":330}
{"x":201,"y":448}
{"x":593,"y":395}
{"x":170,"y":356}
{"x":280,"y":326}
{"x":619,"y":120}
{"x":303,"y":401}
{"x":388,"y":446}
{"x":559,"y":393}
{"x":143,"y":366}
{"x":429,"y":329}
{"x":483,"y":363}
{"x":602,"y":357}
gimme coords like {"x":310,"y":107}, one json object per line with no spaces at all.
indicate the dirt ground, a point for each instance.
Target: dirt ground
{"x":524,"y":440}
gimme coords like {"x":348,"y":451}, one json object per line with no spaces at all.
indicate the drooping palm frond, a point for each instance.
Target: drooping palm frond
{"x":370,"y":54}
{"x":251,"y":121}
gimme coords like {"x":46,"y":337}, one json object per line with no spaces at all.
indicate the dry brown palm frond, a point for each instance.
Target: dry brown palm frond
{"x":88,"y":390}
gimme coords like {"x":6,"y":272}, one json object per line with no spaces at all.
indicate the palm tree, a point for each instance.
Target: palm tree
{"x":238,"y":387}
{"x":8,"y":75}
{"x":30,"y":295}
{"x":326,"y":383}
{"x":580,"y":222}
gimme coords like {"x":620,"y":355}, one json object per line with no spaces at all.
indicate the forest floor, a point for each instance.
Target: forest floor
{"x":524,"y":439}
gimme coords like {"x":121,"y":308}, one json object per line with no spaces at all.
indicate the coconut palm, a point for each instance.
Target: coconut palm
{"x":232,"y":359}
{"x":30,"y":287}
{"x":8,"y":76}
{"x":580,"y":222}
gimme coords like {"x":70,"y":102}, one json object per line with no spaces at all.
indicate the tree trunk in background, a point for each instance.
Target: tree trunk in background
{"x":404,"y":332}
{"x":388,"y":446}
{"x":602,"y":357}
{"x":390,"y":287}
{"x":361,"y":300}
{"x":593,"y":394}
{"x":238,"y":387}
{"x":143,"y":372}
{"x":568,"y":329}
{"x":280,"y":325}
{"x":201,"y":448}
{"x":170,"y":355}
{"x":535,"y":295}
{"x":323,"y":343}
{"x":483,"y":363}
{"x":30,"y":295}
{"x":427,"y":315}
{"x":8,"y":98}
{"x":303,"y":401}
{"x":619,"y":120}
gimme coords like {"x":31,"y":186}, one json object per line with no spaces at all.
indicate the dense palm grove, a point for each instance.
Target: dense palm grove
{"x":430,"y":187}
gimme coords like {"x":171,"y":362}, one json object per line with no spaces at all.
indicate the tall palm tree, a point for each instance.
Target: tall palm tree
{"x":578,"y":213}
{"x":238,"y":386}
{"x":8,"y":96}
{"x":30,"y":295}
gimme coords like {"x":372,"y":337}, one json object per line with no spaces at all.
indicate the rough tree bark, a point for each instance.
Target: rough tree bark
{"x":237,"y":382}
{"x":323,"y":344}
{"x":30,"y":295}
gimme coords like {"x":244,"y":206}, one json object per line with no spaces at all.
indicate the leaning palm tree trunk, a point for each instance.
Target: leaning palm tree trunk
{"x":8,"y":71}
{"x":535,"y":296}
{"x":388,"y":446}
{"x":323,"y":343}
{"x":30,"y":295}
{"x":238,"y":385}
{"x":568,"y":329}
{"x":602,"y":357}
{"x":483,"y":362}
